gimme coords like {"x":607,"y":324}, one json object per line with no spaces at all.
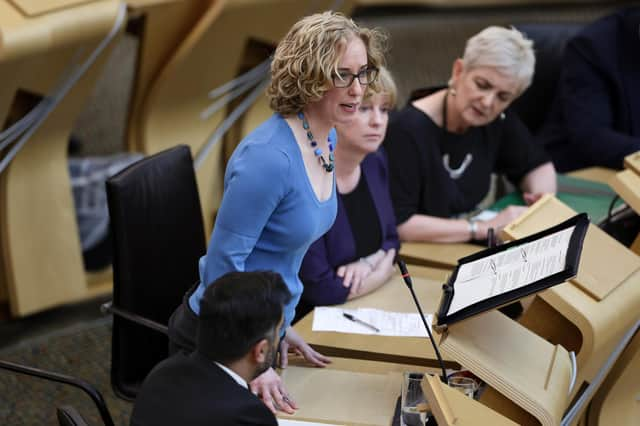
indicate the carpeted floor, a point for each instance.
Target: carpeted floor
{"x":83,"y":351}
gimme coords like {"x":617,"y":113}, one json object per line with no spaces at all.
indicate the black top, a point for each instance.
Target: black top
{"x":191,"y":390}
{"x":416,"y":149}
{"x":363,"y":219}
{"x":595,"y":117}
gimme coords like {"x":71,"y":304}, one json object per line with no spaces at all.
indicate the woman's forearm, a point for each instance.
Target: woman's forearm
{"x":435,"y":229}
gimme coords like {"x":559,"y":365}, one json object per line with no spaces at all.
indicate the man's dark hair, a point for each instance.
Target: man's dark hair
{"x":238,"y":310}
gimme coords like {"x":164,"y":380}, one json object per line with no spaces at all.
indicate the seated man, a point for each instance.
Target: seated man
{"x":237,"y":340}
{"x":595,"y":120}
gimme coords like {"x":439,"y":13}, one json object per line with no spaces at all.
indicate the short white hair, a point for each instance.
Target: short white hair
{"x":505,"y":49}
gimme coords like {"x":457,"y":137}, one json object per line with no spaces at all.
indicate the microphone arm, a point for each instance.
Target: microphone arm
{"x":407,"y":280}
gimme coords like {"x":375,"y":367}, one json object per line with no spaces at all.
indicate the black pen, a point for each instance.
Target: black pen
{"x":359,"y":321}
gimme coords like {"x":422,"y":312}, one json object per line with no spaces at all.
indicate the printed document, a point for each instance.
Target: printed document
{"x":402,"y":324}
{"x":511,"y":269}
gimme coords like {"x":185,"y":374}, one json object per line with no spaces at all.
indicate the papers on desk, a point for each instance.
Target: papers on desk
{"x":389,"y":323}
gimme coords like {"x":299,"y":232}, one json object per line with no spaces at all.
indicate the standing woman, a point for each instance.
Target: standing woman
{"x":356,"y":255}
{"x":444,"y":146}
{"x":279,"y":185}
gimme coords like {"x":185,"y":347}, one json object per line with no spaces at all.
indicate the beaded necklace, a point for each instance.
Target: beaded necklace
{"x":327,"y":166}
{"x":458,"y":172}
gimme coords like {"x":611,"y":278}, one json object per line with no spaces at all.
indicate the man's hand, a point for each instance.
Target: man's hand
{"x":269,"y":387}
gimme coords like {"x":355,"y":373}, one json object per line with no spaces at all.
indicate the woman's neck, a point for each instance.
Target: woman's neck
{"x":347,"y":168}
{"x":432,"y":105}
{"x":452,"y":120}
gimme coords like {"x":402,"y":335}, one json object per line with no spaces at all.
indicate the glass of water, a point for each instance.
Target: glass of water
{"x":415,"y":409}
{"x":466,"y":385}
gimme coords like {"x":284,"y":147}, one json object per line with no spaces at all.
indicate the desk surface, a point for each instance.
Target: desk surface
{"x":352,"y":392}
{"x":393,"y":296}
{"x":437,"y":255}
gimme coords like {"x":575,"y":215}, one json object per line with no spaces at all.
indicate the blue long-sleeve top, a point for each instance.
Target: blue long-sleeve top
{"x":269,"y":213}
{"x":322,"y":286}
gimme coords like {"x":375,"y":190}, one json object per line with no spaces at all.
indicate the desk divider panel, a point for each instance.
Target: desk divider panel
{"x":591,"y":313}
{"x":594,"y":279}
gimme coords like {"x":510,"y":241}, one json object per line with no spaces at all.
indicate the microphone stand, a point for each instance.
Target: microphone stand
{"x":407,"y":280}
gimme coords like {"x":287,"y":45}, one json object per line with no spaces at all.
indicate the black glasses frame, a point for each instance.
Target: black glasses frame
{"x":361,"y":76}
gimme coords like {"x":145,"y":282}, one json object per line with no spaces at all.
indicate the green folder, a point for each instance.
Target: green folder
{"x":583,"y":196}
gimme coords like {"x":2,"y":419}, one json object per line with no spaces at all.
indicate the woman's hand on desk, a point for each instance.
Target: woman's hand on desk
{"x":531,"y":198}
{"x":501,"y":220}
{"x":380,"y":274}
{"x":269,"y":387}
{"x":293,"y":341}
{"x":353,"y":273}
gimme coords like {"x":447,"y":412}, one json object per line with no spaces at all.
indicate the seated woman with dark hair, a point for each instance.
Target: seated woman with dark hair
{"x":446,"y":143}
{"x":356,"y":255}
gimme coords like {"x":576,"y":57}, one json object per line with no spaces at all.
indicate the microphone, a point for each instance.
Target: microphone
{"x":407,"y":280}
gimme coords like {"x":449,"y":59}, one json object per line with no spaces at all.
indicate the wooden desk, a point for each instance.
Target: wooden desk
{"x":393,"y":296}
{"x":41,"y":44}
{"x":348,"y":392}
{"x":437,"y":255}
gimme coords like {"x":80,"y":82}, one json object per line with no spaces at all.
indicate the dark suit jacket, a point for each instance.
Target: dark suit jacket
{"x":190,"y":390}
{"x":595,"y":120}
{"x":337,"y":247}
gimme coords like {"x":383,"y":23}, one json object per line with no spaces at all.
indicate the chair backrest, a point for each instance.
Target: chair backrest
{"x":158,"y":236}
{"x":549,"y":42}
{"x":69,"y":416}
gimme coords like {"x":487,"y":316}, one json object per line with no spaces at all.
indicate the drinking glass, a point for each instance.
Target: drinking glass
{"x":414,"y":407}
{"x":466,"y":385}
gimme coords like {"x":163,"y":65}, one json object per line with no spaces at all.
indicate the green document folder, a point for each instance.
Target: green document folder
{"x":583,"y":196}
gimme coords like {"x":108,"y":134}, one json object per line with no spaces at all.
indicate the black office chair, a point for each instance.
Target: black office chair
{"x":158,"y":235}
{"x":69,"y":414}
{"x":549,"y":41}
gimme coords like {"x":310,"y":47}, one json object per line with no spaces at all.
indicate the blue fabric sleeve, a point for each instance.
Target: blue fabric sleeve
{"x":254,"y":186}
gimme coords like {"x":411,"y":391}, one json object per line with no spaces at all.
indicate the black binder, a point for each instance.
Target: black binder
{"x":446,"y":315}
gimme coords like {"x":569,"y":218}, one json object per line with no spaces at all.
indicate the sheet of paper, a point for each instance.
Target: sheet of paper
{"x":511,"y":269}
{"x":287,"y":422}
{"x":485,"y":215}
{"x":401,"y":324}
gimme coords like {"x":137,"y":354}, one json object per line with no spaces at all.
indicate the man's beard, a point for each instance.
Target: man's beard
{"x":268,"y":361}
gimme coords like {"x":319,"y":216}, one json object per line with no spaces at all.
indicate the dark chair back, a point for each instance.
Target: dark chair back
{"x":158,"y":235}
{"x":549,"y":42}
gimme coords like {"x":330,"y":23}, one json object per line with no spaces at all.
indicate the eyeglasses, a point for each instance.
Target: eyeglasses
{"x":345,"y":78}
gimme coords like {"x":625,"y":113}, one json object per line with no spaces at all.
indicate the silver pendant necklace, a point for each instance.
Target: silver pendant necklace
{"x":459,"y":171}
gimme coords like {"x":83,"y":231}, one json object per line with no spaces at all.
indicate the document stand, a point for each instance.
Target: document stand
{"x":528,"y":378}
{"x":591,"y":313}
{"x":451,"y":407}
{"x":627,"y":184}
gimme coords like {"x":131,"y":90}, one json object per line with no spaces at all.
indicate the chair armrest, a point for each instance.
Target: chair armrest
{"x":109,"y":308}
{"x":88,"y":388}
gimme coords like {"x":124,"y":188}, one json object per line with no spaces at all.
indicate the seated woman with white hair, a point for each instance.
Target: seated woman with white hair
{"x":446,"y":143}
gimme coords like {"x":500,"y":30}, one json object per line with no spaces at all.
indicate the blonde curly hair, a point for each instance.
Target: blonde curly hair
{"x":386,"y":86}
{"x":307,"y":58}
